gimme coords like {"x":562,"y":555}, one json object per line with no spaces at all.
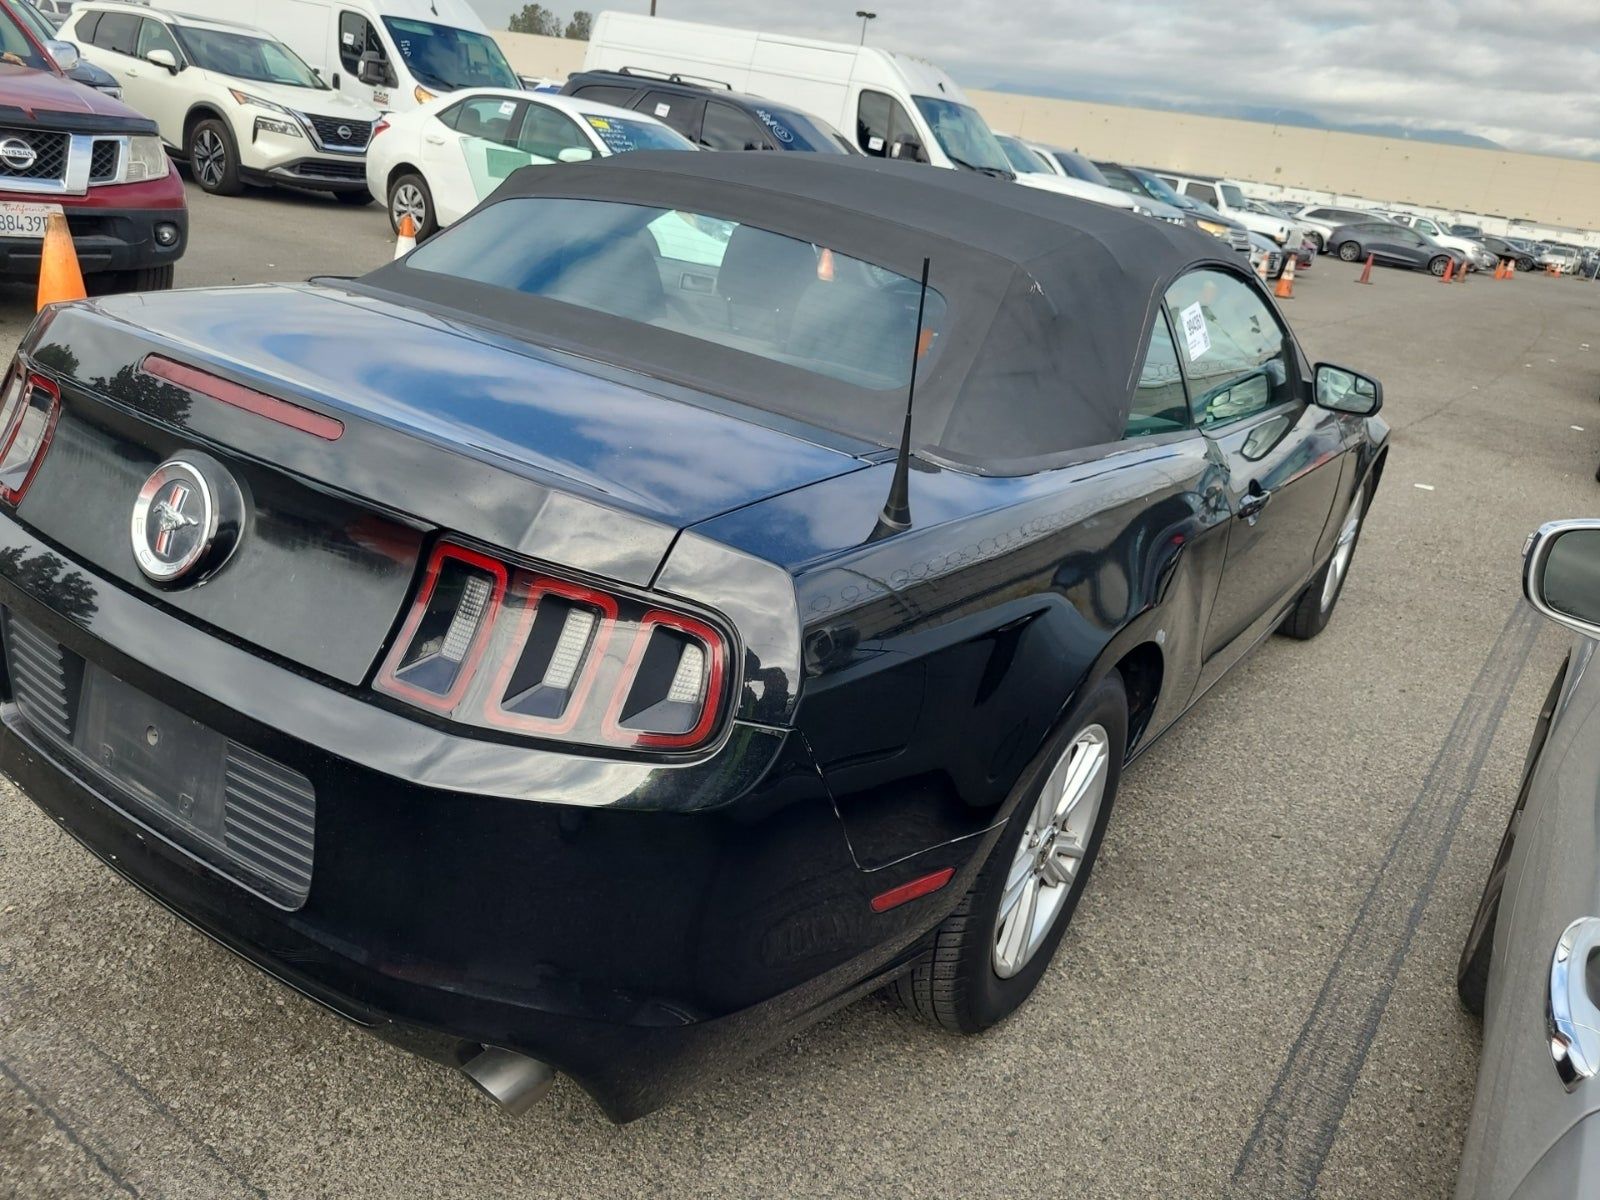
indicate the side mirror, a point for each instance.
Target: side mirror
{"x":163,"y":58}
{"x":1561,"y":574}
{"x":373,"y":70}
{"x":908,"y":148}
{"x":65,"y":54}
{"x":574,"y":154}
{"x":1344,"y":390}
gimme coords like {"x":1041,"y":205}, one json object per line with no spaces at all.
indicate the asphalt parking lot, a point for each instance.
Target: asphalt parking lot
{"x":1256,"y":998}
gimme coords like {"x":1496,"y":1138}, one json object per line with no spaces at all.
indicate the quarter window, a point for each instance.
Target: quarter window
{"x":1238,"y":359}
{"x":680,"y":112}
{"x":488,"y":117}
{"x":1160,"y":405}
{"x":726,"y":128}
{"x":880,"y":123}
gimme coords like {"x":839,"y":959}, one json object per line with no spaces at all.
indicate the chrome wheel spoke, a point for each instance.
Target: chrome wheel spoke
{"x":1016,"y":927}
{"x":1087,"y":770}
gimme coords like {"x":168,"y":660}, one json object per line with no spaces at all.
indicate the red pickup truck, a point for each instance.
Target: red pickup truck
{"x":66,"y":146}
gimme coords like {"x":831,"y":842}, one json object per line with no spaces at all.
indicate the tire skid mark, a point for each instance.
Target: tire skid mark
{"x":1293,"y":1134}
{"x":68,"y":1130}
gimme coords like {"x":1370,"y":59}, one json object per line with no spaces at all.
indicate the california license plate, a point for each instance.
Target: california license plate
{"x":18,"y":220}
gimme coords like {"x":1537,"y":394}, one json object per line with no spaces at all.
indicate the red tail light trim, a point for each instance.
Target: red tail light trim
{"x":388,"y":676}
{"x":710,"y":700}
{"x":236,"y":395}
{"x":13,"y":496}
{"x":925,"y":885}
{"x":538,"y":587}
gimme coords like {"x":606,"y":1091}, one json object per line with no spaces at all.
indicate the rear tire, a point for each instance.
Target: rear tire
{"x":354,"y":199}
{"x":214,"y":158}
{"x":1314,"y":609}
{"x":141,"y":279}
{"x":1349,"y":251}
{"x":410,"y":194}
{"x":1524,"y":264}
{"x":974,"y":976}
{"x":1437,"y":265}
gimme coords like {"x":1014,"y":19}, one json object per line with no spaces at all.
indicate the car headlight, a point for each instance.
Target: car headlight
{"x":277,"y":125}
{"x":256,"y":101}
{"x":147,"y":159}
{"x":1173,"y":219}
{"x":1143,"y":211}
{"x":1214,"y":229}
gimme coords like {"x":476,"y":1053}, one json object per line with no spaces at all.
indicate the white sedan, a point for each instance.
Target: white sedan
{"x":435,"y":163}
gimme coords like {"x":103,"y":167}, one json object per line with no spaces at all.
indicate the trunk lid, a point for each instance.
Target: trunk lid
{"x":444,"y":427}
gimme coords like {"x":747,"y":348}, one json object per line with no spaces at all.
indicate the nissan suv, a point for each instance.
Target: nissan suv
{"x":238,"y":106}
{"x":67,"y":148}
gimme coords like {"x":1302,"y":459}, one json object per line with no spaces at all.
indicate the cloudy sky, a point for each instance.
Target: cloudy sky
{"x":1522,"y":73}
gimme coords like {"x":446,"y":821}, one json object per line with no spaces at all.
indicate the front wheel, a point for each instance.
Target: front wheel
{"x":1437,"y":265}
{"x":214,"y":158}
{"x":141,"y":279}
{"x":1312,"y":611}
{"x":1349,"y":251}
{"x":1524,"y":264}
{"x":991,"y":952}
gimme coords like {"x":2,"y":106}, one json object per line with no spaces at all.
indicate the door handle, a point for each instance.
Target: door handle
{"x":434,"y":139}
{"x":1252,"y":502}
{"x":132,"y":72}
{"x":1574,"y":1020}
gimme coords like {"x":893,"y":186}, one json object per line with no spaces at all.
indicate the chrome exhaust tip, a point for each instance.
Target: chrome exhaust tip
{"x":513,"y":1081}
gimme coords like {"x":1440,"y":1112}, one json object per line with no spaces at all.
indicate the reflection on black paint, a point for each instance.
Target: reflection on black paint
{"x":156,"y":397}
{"x":47,"y":577}
{"x":57,"y":358}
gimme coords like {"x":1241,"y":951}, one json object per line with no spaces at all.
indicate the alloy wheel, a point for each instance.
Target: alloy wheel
{"x":1349,"y":252}
{"x":1343,"y":551}
{"x":210,"y":158}
{"x":407,"y":201}
{"x":1051,"y":851}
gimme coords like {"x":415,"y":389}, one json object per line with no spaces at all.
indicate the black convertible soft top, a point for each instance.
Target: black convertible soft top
{"x":1049,"y":298}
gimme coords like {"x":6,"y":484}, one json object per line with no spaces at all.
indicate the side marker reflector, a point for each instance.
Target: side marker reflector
{"x":917,"y":888}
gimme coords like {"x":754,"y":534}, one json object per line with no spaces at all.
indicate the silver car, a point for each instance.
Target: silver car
{"x":1530,"y":961}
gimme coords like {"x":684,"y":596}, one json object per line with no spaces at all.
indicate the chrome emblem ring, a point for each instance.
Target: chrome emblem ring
{"x":17,"y":154}
{"x":186,"y":517}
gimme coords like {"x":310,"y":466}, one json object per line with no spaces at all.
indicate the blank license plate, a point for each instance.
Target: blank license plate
{"x":18,"y":220}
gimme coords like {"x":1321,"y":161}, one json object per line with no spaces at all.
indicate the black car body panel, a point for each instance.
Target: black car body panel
{"x":634,"y":918}
{"x":1391,"y":244}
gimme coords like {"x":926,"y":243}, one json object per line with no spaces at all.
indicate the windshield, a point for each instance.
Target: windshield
{"x":446,"y":57}
{"x":963,"y":136}
{"x":1232,"y":194}
{"x":1079,"y":167}
{"x":1020,"y":157}
{"x":245,"y":57}
{"x":1160,"y":191}
{"x":840,"y":317}
{"x":621,"y":134}
{"x":15,"y":46}
{"x":796,"y":131}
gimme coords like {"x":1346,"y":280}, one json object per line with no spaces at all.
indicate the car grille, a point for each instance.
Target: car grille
{"x":339,"y":133}
{"x":103,"y":162}
{"x":262,"y":815}
{"x":1239,"y":240}
{"x":323,"y":169}
{"x":49,"y":150}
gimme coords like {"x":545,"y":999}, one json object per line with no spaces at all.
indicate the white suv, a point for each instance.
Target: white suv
{"x":237,"y":105}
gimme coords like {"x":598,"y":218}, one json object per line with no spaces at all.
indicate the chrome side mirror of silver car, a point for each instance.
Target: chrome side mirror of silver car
{"x":64,"y":53}
{"x":1561,"y":574}
{"x":1574,"y":1020}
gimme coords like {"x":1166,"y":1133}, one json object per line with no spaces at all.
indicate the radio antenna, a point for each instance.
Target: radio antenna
{"x":896,"y":514}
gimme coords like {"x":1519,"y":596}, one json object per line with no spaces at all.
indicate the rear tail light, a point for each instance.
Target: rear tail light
{"x":515,"y":649}
{"x":29,"y":404}
{"x":377,"y":128}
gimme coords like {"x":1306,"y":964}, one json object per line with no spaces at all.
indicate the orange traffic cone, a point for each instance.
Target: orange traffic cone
{"x":407,"y":240}
{"x":1285,"y":288}
{"x":60,"y":278}
{"x":1449,"y":269}
{"x":1366,"y":271}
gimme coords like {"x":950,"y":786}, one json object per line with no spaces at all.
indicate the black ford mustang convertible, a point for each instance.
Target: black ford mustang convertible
{"x":558,"y":651}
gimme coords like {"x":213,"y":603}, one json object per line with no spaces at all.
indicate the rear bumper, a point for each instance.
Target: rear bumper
{"x":635,"y":951}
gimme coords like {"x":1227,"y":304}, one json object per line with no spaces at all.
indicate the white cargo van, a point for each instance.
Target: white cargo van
{"x":892,"y":105}
{"x":392,"y":54}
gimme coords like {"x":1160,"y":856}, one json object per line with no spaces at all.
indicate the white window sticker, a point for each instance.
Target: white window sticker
{"x":875,"y":145}
{"x":348,"y":38}
{"x":663,"y":109}
{"x":1195,"y":332}
{"x":507,"y":108}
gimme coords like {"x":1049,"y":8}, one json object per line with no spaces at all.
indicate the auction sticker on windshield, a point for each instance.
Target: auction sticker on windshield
{"x":20,"y":220}
{"x":1195,"y":332}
